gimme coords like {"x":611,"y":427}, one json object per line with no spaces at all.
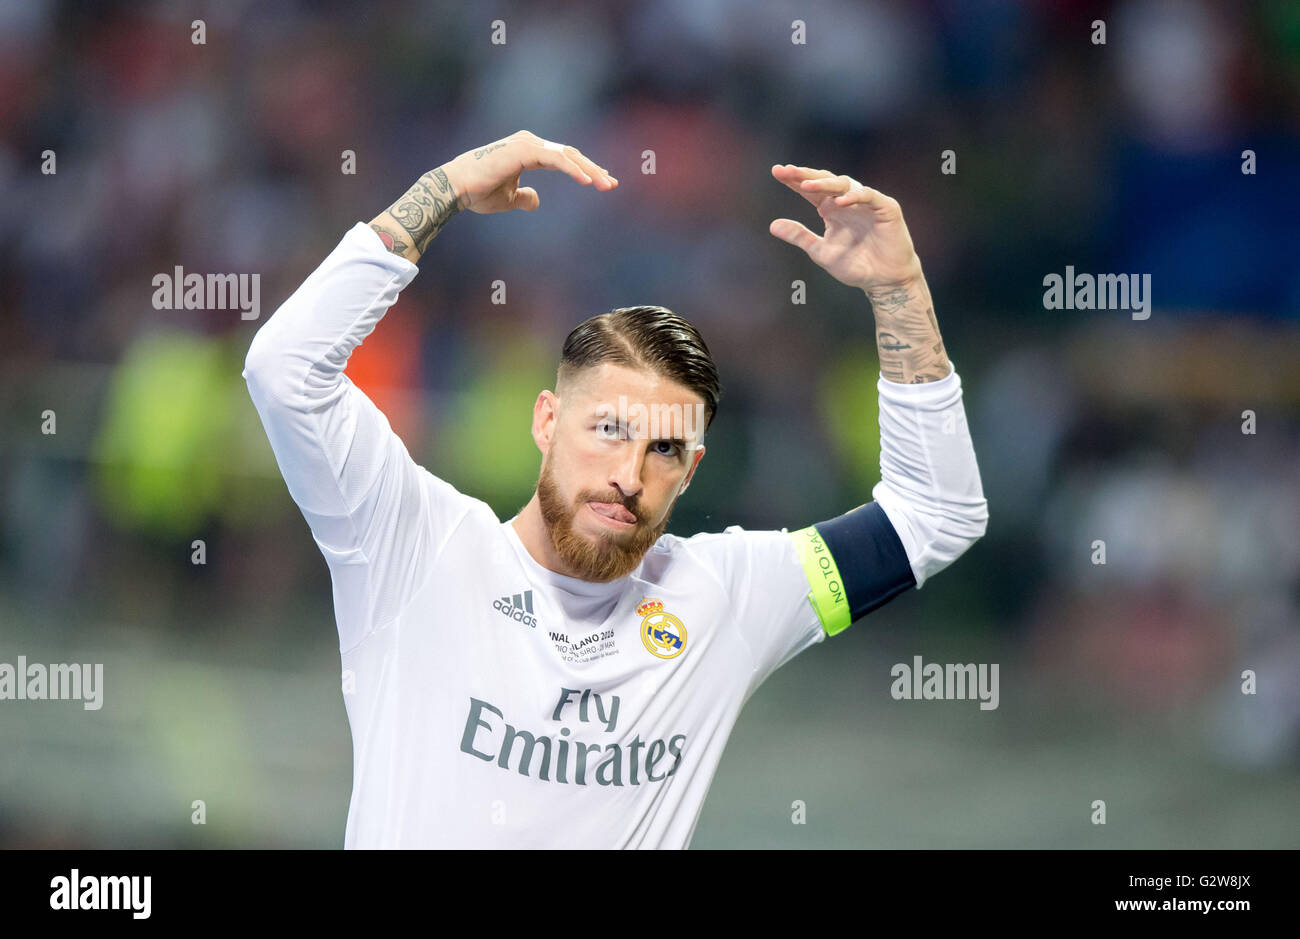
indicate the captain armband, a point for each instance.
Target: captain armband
{"x":854,"y":563}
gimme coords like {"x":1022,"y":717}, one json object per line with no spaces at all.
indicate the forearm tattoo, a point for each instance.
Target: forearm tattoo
{"x":907,"y":335}
{"x":392,"y":240}
{"x":420,"y":214}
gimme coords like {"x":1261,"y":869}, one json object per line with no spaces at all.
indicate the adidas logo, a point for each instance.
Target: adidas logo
{"x":518,"y":608}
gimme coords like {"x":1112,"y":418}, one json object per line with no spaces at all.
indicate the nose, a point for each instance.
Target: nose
{"x":625,"y":476}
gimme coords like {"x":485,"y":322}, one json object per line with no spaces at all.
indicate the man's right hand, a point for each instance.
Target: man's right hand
{"x":486,"y":180}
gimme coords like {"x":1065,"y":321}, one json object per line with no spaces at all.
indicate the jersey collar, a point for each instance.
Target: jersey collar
{"x":585,"y":588}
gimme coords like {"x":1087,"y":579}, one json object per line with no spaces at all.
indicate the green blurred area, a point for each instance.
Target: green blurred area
{"x":493,"y":454}
{"x":178,"y":440}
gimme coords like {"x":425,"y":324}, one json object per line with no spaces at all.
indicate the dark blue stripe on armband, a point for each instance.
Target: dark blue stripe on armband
{"x":872,"y":561}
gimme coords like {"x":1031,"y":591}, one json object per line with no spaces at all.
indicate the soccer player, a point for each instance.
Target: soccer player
{"x":569,"y":677}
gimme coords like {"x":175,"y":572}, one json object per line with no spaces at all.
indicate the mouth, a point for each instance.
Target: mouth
{"x":613,"y":515}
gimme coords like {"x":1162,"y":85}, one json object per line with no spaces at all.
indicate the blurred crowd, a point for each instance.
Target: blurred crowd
{"x":1126,"y":156}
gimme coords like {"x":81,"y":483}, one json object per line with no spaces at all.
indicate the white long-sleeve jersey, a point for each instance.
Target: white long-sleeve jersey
{"x":496,"y":703}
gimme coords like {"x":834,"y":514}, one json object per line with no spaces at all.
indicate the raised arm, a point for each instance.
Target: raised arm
{"x":378,"y":518}
{"x":869,"y":247}
{"x":485,"y":180}
{"x":929,"y":505}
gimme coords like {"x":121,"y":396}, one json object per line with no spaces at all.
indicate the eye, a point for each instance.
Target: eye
{"x":607,"y":430}
{"x":672,"y":448}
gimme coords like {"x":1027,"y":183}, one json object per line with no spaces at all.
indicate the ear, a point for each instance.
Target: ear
{"x":690,"y":473}
{"x":545,"y":415}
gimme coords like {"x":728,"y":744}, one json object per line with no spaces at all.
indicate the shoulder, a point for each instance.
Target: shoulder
{"x":452,"y":508}
{"x":722,"y":552}
{"x":732,"y":538}
{"x":701,"y":544}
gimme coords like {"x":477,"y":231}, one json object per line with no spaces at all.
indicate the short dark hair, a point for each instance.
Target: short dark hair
{"x":651,"y":337}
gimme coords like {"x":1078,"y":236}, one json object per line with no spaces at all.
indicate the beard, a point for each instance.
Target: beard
{"x":606,"y":557}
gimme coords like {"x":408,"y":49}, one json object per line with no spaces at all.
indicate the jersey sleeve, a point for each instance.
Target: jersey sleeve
{"x":770,"y":606}
{"x":929,"y":507}
{"x":930,"y":486}
{"x":789,"y":590}
{"x":378,"y":518}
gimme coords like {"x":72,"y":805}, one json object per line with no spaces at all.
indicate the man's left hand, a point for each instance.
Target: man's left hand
{"x":866,"y":243}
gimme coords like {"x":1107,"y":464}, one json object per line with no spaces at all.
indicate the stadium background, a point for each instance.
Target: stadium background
{"x":1117,"y":682}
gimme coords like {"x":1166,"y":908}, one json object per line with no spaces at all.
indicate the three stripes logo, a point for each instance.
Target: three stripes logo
{"x":518,"y":608}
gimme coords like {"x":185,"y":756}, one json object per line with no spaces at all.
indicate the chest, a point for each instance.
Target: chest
{"x":484,"y":630}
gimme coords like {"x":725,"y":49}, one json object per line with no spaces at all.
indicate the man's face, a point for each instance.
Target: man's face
{"x":619,"y":445}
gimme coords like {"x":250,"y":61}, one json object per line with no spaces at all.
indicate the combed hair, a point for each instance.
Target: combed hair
{"x":650,"y":337}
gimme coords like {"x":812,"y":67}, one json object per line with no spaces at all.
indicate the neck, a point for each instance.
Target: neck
{"x":531,"y":529}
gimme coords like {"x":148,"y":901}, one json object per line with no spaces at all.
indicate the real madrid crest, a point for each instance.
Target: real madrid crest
{"x":662,"y":633}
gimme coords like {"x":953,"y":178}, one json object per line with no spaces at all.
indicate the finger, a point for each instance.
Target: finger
{"x":792,"y":176}
{"x":526,"y":198}
{"x":828,"y":185}
{"x":573,"y":152}
{"x":588,"y":166}
{"x":798,"y":172}
{"x":793,"y":233}
{"x":540,"y":156}
{"x":592,"y":168}
{"x":864,"y":195}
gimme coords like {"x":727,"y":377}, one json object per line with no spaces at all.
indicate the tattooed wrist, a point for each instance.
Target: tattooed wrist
{"x":907,"y":333}
{"x":392,"y":240}
{"x":887,"y":301}
{"x":419,"y":215}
